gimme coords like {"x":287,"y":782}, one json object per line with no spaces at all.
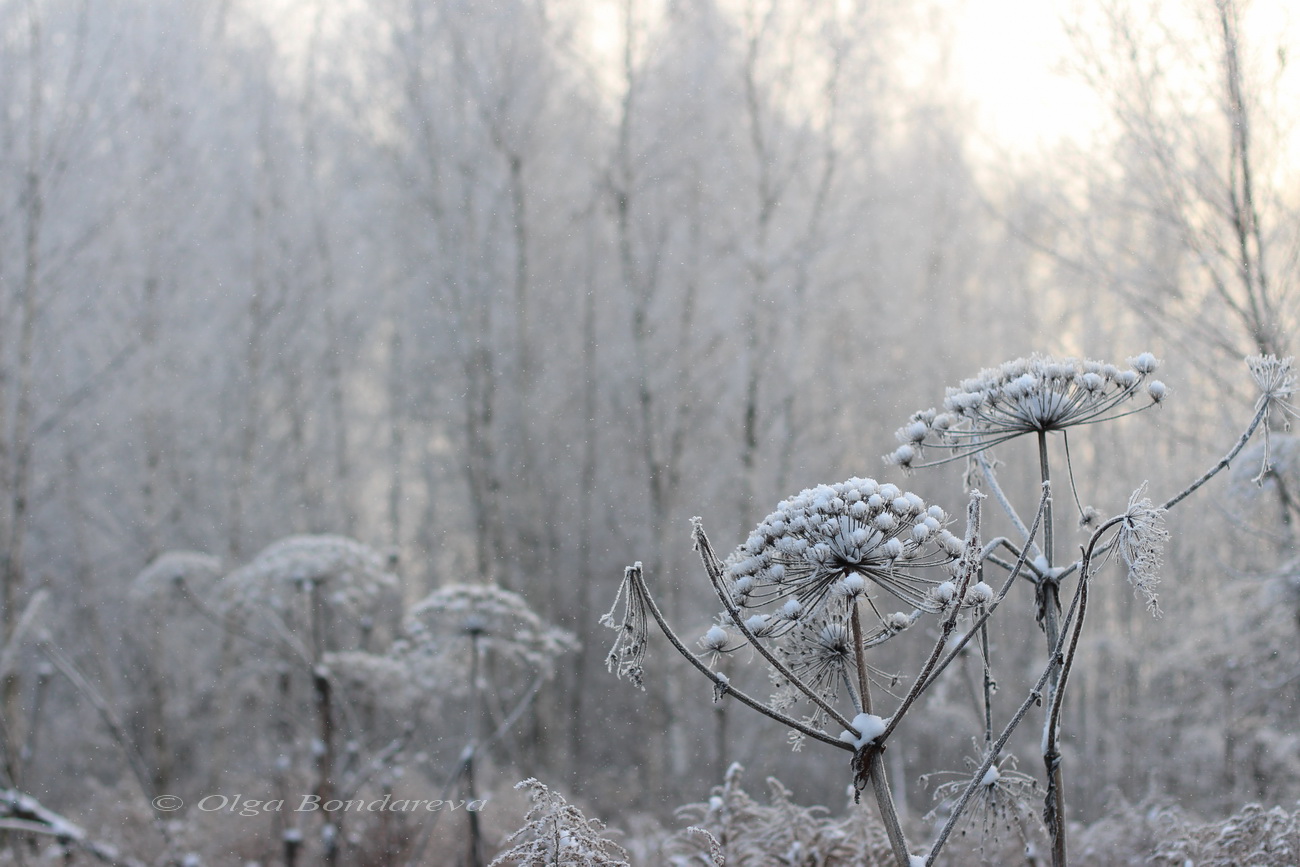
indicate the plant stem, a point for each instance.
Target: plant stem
{"x":989,"y":685}
{"x":713,"y":566}
{"x":986,"y":469}
{"x":875,"y":761}
{"x":1049,"y":609}
{"x":1077,"y":609}
{"x":1045,"y":474}
{"x":1261,"y":411}
{"x":726,"y":687}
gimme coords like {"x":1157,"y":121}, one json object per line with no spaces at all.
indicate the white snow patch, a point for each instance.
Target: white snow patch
{"x":870,"y":727}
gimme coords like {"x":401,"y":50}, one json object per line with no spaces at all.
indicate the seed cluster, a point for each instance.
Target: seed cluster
{"x":1027,"y":395}
{"x":835,"y":540}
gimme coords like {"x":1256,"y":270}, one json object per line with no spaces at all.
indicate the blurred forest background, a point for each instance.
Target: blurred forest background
{"x":507,"y":291}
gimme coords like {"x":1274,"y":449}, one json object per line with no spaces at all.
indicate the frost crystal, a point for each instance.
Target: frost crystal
{"x":1027,"y":395}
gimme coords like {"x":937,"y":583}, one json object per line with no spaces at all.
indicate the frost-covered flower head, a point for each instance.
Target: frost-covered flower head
{"x":819,"y":652}
{"x":301,"y":579}
{"x":500,"y":620}
{"x":1277,"y":383}
{"x":1027,"y":395}
{"x":1001,"y":804}
{"x":1142,"y":536}
{"x":1274,"y":376}
{"x":174,"y":576}
{"x":835,"y":541}
{"x":402,"y":679}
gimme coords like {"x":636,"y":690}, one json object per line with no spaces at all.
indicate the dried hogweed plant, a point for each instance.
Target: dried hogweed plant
{"x":557,"y":833}
{"x":839,"y":569}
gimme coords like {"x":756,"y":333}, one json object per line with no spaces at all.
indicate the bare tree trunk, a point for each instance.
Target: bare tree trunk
{"x":13,"y":572}
{"x":396,"y":434}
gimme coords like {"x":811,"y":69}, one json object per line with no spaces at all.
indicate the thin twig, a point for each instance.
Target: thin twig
{"x":723,"y":685}
{"x":986,"y":470}
{"x":1035,"y":695}
{"x":1014,"y":572}
{"x":1260,"y":412}
{"x":714,"y":568}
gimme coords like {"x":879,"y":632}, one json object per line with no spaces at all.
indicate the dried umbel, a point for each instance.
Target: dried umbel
{"x":1277,"y":383}
{"x":308,"y":590}
{"x":1141,"y":541}
{"x":1028,"y":395}
{"x":351,"y":577}
{"x":830,"y":544}
{"x":1274,"y":376}
{"x":175,"y":574}
{"x":1000,"y":805}
{"x":627,"y":657}
{"x":501,"y":621}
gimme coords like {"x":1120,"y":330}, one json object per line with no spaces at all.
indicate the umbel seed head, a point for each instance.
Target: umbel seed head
{"x":836,"y":541}
{"x":1027,"y":395}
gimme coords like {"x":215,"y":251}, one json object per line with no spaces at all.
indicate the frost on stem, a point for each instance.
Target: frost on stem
{"x":1142,"y":536}
{"x":1027,"y":395}
{"x":556,"y":832}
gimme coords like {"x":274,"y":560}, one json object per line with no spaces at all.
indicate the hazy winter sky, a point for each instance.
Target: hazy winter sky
{"x":1009,"y":58}
{"x":1008,"y":55}
{"x":1012,"y":59}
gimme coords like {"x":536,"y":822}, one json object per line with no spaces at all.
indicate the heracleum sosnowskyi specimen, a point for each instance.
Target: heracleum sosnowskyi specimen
{"x":834,"y":541}
{"x":1027,"y":395}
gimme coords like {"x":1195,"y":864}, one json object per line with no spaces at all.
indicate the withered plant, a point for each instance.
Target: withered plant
{"x":837,"y":570}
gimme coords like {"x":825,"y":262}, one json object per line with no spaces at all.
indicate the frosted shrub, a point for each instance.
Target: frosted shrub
{"x":837,"y":570}
{"x":732,"y":828}
{"x":1253,"y":836}
{"x":557,"y":834}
